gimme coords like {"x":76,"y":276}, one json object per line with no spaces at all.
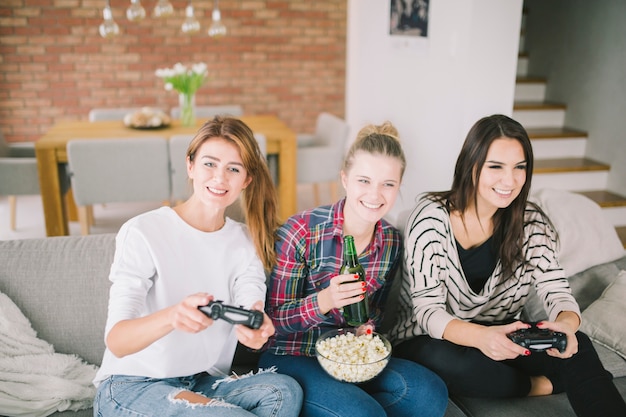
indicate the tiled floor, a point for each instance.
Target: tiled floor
{"x":30,"y":222}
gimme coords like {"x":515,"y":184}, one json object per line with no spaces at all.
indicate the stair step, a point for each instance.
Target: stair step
{"x":621,"y":232}
{"x":613,"y":205}
{"x":554,"y":133}
{"x":539,"y":114}
{"x":571,"y":181}
{"x":530,"y":89}
{"x":548,"y":148}
{"x":538,"y":105}
{"x":522,"y":64}
{"x":573,"y":174}
{"x":558,"y":142}
{"x":529,"y":79}
{"x":605,"y":198}
{"x":556,"y":165}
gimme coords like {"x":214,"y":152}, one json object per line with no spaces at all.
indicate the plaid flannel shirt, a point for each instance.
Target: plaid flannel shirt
{"x":310,"y":250}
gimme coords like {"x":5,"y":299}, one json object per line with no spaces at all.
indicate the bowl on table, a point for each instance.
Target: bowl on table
{"x":147,"y":118}
{"x":349,"y":357}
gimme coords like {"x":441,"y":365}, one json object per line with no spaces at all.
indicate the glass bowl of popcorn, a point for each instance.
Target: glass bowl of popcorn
{"x":351,"y":357}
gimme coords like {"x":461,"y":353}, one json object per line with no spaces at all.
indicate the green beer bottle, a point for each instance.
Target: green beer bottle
{"x":358,"y":313}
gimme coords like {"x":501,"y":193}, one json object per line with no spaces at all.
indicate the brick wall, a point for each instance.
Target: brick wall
{"x":284,"y":57}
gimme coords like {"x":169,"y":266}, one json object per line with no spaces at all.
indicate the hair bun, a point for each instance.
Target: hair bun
{"x":386,"y":128}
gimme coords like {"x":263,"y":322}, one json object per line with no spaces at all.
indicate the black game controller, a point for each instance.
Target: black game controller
{"x":234,"y":315}
{"x":539,"y":339}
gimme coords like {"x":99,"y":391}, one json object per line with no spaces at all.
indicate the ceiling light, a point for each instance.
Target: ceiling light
{"x":217,"y":28}
{"x":191,"y":25}
{"x":108,"y":28}
{"x":135,"y":11}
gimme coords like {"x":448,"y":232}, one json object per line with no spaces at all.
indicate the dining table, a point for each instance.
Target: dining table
{"x":51,"y":152}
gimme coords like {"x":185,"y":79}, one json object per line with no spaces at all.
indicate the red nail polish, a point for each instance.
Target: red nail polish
{"x":527,"y":353}
{"x":356,"y":276}
{"x":368,"y":331}
{"x":363,"y":284}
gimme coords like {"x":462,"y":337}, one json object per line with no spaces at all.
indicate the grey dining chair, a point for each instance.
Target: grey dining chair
{"x":18,"y":174}
{"x":109,"y":170}
{"x":320,"y":154}
{"x":208,"y":112}
{"x":103,"y":114}
{"x":116,"y":113}
{"x":177,"y":150}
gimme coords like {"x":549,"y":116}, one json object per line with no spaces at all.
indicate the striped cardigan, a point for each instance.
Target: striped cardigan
{"x":434,"y":290}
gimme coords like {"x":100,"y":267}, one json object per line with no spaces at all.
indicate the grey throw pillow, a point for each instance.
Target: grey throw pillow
{"x":603,"y":321}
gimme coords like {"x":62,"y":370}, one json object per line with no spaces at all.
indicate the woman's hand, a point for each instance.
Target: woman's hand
{"x":494,"y":343}
{"x":564,"y":326}
{"x":132,"y":335}
{"x":186,"y":317}
{"x":255,"y":338}
{"x":366,"y":328}
{"x":342,"y":290}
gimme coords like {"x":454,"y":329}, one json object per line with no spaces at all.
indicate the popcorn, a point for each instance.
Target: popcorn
{"x":351,"y":358}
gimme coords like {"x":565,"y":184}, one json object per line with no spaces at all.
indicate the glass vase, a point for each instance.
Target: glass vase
{"x":187,"y":104}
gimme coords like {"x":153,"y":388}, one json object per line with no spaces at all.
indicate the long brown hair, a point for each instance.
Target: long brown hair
{"x":508,"y":222}
{"x":259,"y":198}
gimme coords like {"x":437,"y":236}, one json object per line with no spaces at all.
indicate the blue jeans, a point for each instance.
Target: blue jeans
{"x":402,"y":389}
{"x":265,"y":394}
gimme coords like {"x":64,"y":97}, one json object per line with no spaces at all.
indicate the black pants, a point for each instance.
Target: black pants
{"x":467,"y":372}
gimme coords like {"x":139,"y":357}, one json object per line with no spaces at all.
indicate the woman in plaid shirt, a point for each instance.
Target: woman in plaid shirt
{"x":305,"y":295}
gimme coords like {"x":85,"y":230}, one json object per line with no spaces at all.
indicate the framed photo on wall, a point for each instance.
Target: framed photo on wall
{"x":409,"y":17}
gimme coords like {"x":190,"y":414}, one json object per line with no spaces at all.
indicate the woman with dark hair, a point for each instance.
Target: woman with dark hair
{"x":471,"y":256}
{"x":164,"y":357}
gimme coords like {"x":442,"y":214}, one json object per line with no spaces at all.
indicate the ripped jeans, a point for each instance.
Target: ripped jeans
{"x":265,"y":394}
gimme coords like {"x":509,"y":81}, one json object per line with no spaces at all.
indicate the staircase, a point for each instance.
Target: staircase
{"x":559,"y":151}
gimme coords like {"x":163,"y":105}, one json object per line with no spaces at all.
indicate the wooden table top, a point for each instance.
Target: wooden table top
{"x":58,"y":135}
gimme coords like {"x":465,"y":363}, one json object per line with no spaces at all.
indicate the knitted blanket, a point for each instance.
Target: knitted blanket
{"x":34,"y":380}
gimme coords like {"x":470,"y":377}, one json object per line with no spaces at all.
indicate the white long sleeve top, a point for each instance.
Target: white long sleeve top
{"x":434,"y":290}
{"x":159,"y":260}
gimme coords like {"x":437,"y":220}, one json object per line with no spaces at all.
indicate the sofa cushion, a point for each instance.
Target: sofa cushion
{"x":611,"y":361}
{"x":603,"y":320}
{"x":61,"y":284}
{"x":586,"y":286}
{"x":549,"y":405}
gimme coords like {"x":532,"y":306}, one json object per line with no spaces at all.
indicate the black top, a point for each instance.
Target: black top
{"x":478,"y":263}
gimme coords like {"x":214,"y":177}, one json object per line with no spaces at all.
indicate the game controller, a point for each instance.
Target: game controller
{"x":233,"y":315}
{"x":538,"y":339}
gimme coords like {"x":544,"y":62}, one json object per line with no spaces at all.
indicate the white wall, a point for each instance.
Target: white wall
{"x":433,"y":89}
